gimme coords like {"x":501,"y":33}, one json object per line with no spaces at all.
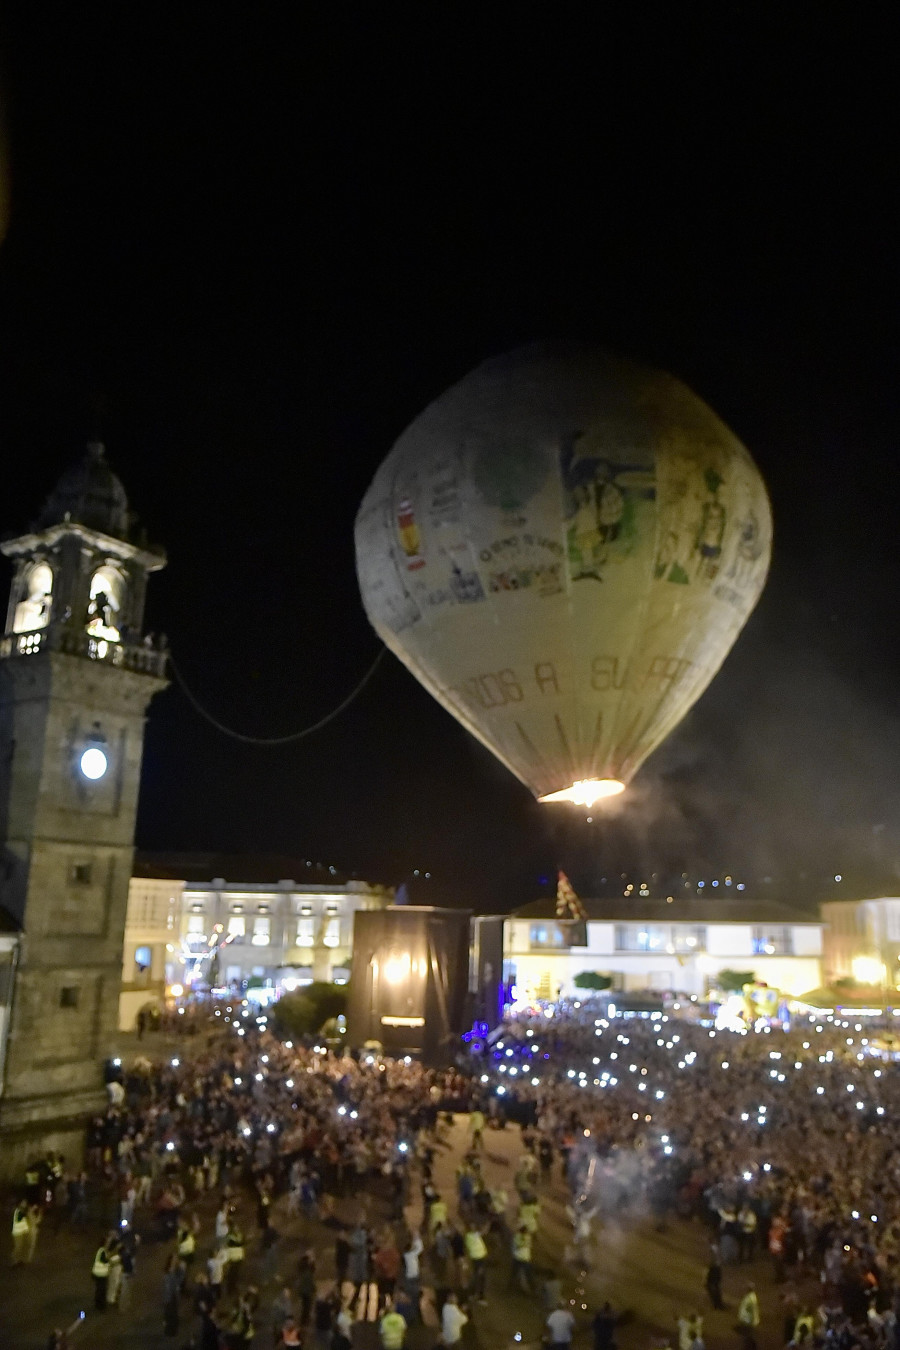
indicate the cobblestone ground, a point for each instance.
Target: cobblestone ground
{"x":652,"y":1276}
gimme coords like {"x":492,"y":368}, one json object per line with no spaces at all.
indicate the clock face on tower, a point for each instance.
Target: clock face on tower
{"x":93,"y":762}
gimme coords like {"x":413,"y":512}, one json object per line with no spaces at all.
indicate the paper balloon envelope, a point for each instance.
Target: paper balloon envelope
{"x":563,"y":548}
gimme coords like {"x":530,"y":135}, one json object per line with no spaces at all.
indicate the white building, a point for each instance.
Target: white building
{"x":151,"y":932}
{"x":654,"y":944}
{"x":861,"y":940}
{"x":287,"y":932}
{"x":274,"y":931}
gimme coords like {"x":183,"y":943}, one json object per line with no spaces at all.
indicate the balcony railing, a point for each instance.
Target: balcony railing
{"x":142,"y":657}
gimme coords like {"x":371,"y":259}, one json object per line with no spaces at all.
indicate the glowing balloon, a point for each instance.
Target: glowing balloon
{"x":563,"y":548}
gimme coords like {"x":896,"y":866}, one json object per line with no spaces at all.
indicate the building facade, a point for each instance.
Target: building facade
{"x":861,"y":941}
{"x":151,"y":932}
{"x":284,"y":932}
{"x":188,"y":928}
{"x":648,"y":944}
{"x":76,"y":678}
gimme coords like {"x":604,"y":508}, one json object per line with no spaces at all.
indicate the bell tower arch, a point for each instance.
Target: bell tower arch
{"x":76,"y":678}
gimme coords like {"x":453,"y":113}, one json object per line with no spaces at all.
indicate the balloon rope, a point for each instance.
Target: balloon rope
{"x":274,"y":740}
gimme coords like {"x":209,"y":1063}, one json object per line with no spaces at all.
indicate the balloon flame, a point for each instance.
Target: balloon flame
{"x":586,"y":791}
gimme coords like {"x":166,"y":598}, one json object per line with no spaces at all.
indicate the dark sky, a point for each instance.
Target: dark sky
{"x":246,"y":253}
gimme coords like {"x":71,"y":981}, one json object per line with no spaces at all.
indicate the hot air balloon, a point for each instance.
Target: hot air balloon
{"x":563,"y":548}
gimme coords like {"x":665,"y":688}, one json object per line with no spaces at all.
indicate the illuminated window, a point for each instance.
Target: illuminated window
{"x":236,"y":926}
{"x":656,"y":937}
{"x":332,"y":933}
{"x":107,"y":593}
{"x":641,"y":937}
{"x":261,"y":926}
{"x":777,"y":941}
{"x":306,"y":931}
{"x":689,"y":939}
{"x":548,"y":935}
{"x":197,"y":924}
{"x":33,"y":610}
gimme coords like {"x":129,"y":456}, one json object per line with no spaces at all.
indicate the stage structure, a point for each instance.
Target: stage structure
{"x":409,"y":980}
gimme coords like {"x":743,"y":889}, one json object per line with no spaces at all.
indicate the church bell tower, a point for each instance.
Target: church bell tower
{"x":76,"y":677}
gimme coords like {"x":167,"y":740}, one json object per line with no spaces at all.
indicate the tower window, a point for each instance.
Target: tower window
{"x":68,"y":996}
{"x":33,"y":610}
{"x":80,"y":874}
{"x":107,"y":595}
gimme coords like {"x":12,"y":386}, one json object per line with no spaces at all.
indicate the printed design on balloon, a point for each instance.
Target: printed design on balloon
{"x":508,"y":473}
{"x":603,"y":501}
{"x":713,"y":517}
{"x":693,"y":526}
{"x":749,"y":550}
{"x":409,"y":535}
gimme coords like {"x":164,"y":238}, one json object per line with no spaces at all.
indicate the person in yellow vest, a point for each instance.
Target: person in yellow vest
{"x":234,"y":1251}
{"x":804,"y":1327}
{"x":100,"y":1276}
{"x":476,"y":1252}
{"x":437,"y":1213}
{"x":748,"y":1318}
{"x":498,"y":1205}
{"x":521,"y":1260}
{"x":186,"y":1243}
{"x":529,"y":1213}
{"x":476,"y":1126}
{"x":20,"y":1233}
{"x":392,"y":1328}
{"x":114,"y":1282}
{"x":35,"y":1216}
{"x":747,"y":1224}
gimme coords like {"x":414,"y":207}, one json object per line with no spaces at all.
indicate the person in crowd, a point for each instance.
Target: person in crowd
{"x":392,"y":1328}
{"x":21,"y":1233}
{"x":100,"y":1274}
{"x":520,"y":1273}
{"x":560,"y":1328}
{"x":453,"y":1320}
{"x":748,"y":1318}
{"x":171,"y":1294}
{"x":714,"y":1278}
{"x":476,"y":1254}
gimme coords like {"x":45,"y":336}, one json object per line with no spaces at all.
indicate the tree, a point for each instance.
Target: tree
{"x":733,"y":981}
{"x":303,"y":1012}
{"x":592,"y":979}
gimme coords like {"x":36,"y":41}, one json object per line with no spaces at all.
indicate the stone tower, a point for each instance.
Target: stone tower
{"x":76,"y":677}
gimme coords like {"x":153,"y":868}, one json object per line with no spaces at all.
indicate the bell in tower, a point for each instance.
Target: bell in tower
{"x":76,"y":677}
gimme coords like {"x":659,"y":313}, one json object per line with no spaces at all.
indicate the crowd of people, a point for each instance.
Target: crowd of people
{"x":779,"y":1141}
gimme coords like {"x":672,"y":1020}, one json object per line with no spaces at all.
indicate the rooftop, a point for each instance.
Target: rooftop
{"x":636,"y":910}
{"x":261,"y":869}
{"x":89,"y":494}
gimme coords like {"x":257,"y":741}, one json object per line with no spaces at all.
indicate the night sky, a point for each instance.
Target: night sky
{"x":247,"y":252}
